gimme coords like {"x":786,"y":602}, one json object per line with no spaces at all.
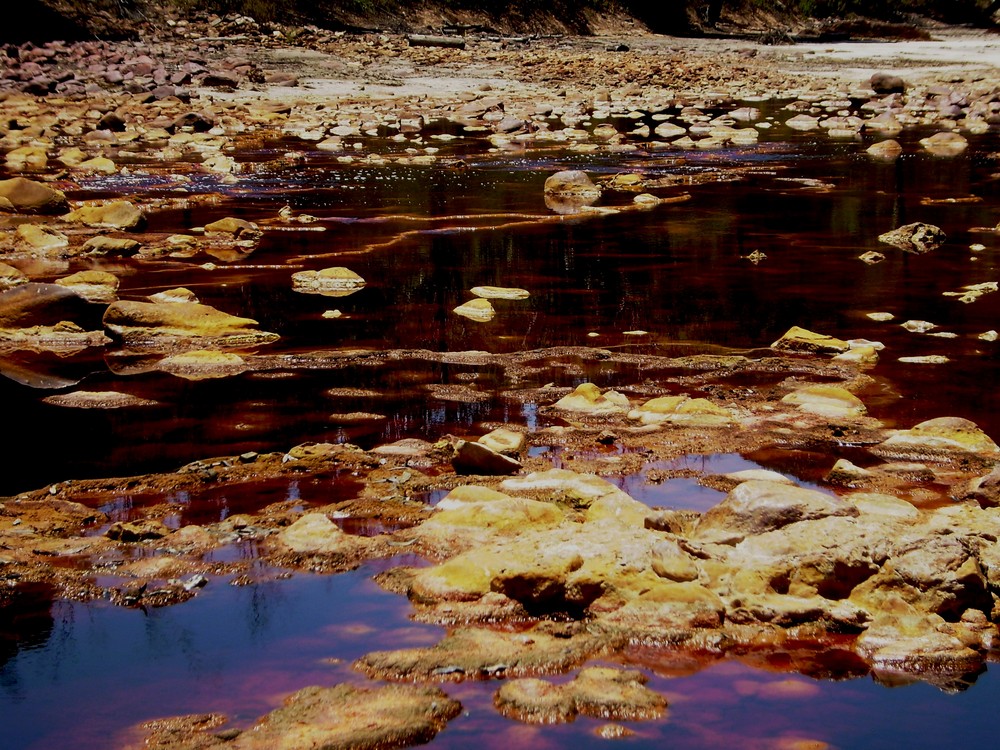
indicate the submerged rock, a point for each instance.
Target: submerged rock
{"x":915,"y":238}
{"x":204,"y":364}
{"x":98,"y":400}
{"x":570,"y":192}
{"x":330,"y":282}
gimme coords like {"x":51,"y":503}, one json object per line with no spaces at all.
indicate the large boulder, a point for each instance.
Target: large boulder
{"x":139,"y":323}
{"x":756,"y":507}
{"x":943,"y":435}
{"x":27,"y":196}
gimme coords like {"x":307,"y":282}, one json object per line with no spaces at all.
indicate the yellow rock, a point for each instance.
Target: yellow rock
{"x":588,"y":398}
{"x":330,"y":282}
{"x":683,"y":410}
{"x":98,"y":164}
{"x":826,"y":400}
{"x":314,"y":533}
{"x":801,"y":340}
{"x":944,"y":433}
{"x":619,"y":507}
{"x":478,"y":309}
{"x":500,"y":292}
{"x":861,"y":355}
{"x":117,"y":214}
{"x":41,"y":238}
{"x":502,"y":440}
{"x":497,"y":513}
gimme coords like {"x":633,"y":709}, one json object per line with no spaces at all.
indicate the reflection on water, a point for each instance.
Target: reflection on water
{"x":239,"y":650}
{"x":231,"y":649}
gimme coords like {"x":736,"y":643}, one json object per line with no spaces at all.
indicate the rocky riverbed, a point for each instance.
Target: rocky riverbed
{"x":535,"y":562}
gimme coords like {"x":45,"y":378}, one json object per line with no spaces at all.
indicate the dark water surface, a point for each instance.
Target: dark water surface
{"x":77,"y":675}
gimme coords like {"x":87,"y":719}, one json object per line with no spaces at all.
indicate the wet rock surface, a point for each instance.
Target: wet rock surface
{"x":891,"y":561}
{"x":339,"y":717}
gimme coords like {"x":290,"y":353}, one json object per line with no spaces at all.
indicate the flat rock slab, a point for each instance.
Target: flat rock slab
{"x":338,"y":718}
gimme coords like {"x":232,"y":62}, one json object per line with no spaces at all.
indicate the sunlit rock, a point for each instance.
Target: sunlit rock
{"x":859,"y":355}
{"x":480,"y":653}
{"x":499,"y":292}
{"x":315,"y":534}
{"x":27,"y":158}
{"x":945,"y":144}
{"x":115,"y":215}
{"x":903,"y":639}
{"x":915,"y":238}
{"x":27,"y":196}
{"x":11,"y":277}
{"x":203,"y":364}
{"x":846,"y":473}
{"x":480,"y":507}
{"x":239,"y":228}
{"x":588,"y":399}
{"x":179,"y":294}
{"x":600,"y":692}
{"x":93,"y":286}
{"x":826,"y":401}
{"x":502,"y":440}
{"x":682,"y":410}
{"x":145,"y":323}
{"x":563,"y":485}
{"x":803,"y":122}
{"x":98,"y":400}
{"x":886,"y":150}
{"x":38,"y":238}
{"x":110,"y":246}
{"x":570,"y":191}
{"x":344,"y":716}
{"x":801,"y":340}
{"x":478,"y":458}
{"x":918,"y":326}
{"x":756,"y":507}
{"x":927,"y":359}
{"x":330,"y":282}
{"x":99,"y":164}
{"x":948,"y":434}
{"x":478,"y":309}
{"x":673,"y":563}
